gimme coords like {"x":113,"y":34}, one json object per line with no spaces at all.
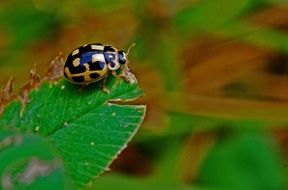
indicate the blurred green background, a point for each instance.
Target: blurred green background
{"x":215,"y":74}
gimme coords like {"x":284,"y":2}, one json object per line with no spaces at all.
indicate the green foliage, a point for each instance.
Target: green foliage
{"x":245,"y":162}
{"x":226,"y":18}
{"x":26,"y":23}
{"x":88,"y":130}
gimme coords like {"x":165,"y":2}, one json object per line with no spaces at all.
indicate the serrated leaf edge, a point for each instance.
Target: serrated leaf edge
{"x":125,"y":144}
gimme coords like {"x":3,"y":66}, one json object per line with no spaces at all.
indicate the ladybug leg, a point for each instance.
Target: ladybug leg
{"x":127,"y":75}
{"x":82,"y":87}
{"x":114,"y":74}
{"x":104,"y":87}
{"x":120,"y":76}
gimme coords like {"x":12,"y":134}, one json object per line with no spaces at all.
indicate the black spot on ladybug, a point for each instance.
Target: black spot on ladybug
{"x":112,"y":64}
{"x":96,"y":66}
{"x":94,"y":75}
{"x":78,"y":79}
{"x":84,"y":49}
{"x":109,"y":48}
{"x":76,"y":70}
{"x":121,"y":57}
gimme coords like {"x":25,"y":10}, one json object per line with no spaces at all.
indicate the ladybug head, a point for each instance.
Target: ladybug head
{"x":122,"y":57}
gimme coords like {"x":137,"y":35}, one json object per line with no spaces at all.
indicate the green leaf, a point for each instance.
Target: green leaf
{"x":24,"y":164}
{"x":85,"y":125}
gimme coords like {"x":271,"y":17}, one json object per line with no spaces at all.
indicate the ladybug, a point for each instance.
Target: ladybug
{"x":92,"y":62}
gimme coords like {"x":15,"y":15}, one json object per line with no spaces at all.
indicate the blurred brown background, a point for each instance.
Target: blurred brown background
{"x":215,"y":74}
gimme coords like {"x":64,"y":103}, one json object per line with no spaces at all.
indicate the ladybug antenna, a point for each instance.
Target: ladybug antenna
{"x":131,"y":46}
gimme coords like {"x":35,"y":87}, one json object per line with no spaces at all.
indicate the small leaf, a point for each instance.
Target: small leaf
{"x":24,"y":164}
{"x":87,"y":128}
